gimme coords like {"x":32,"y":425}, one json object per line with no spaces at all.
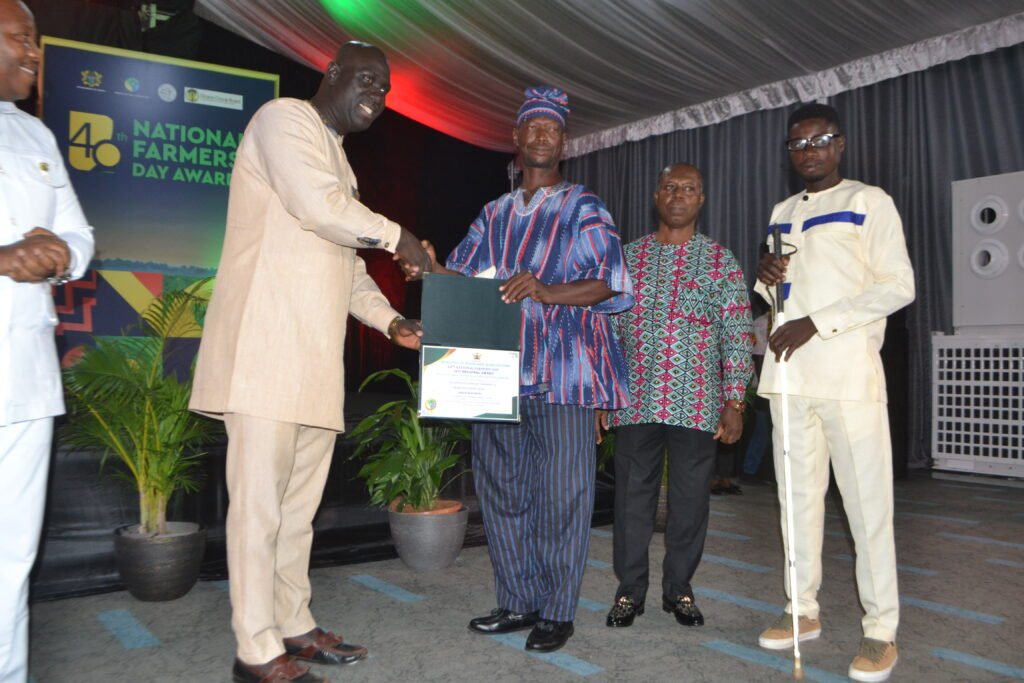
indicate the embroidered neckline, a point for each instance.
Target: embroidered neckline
{"x":653,"y":240}
{"x":537,"y":199}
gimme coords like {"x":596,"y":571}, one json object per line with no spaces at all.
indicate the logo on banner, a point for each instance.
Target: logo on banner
{"x":89,"y":141}
{"x":131,"y":84}
{"x":92,"y":79}
{"x":214,"y":98}
{"x":167,"y":92}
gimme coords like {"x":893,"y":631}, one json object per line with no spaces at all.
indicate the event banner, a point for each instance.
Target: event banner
{"x":149,"y":143}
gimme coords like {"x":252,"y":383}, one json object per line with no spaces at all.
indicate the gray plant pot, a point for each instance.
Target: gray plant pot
{"x":158,"y":568}
{"x":428,"y":542}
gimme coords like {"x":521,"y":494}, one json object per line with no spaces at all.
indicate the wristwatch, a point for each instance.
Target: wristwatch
{"x":739,"y":406}
{"x":393,"y":326}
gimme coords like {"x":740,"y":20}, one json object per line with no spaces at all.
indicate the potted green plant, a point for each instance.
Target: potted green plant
{"x":407,"y":459}
{"x":123,"y":402}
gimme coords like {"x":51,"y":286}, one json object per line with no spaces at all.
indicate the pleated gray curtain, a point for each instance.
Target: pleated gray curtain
{"x":632,"y":68}
{"x":911,"y":135}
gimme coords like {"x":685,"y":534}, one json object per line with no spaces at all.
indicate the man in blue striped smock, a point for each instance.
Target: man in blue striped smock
{"x":557,"y":247}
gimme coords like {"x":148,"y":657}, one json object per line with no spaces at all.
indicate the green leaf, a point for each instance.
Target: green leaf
{"x":123,"y":403}
{"x":404,"y":457}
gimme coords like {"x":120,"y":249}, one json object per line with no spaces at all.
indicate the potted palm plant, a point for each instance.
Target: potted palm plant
{"x":407,"y":460}
{"x":123,"y":402}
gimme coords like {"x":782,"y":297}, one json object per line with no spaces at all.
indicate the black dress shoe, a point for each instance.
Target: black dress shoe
{"x":281,"y":668}
{"x":323,"y":647}
{"x":685,"y":610}
{"x":548,"y":636}
{"x":503,"y":621}
{"x":624,"y":611}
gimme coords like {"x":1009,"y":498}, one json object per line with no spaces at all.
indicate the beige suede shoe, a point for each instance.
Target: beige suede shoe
{"x":874,"y":662}
{"x":779,"y":635}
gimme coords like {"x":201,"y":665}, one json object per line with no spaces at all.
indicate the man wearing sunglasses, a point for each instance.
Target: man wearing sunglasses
{"x":846,"y":268}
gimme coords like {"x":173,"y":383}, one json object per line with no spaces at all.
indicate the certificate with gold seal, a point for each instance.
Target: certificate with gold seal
{"x":469,"y":358}
{"x":469,"y":384}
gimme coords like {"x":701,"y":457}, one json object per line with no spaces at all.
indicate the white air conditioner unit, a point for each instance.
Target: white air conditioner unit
{"x":978,"y":372}
{"x":978,"y":404}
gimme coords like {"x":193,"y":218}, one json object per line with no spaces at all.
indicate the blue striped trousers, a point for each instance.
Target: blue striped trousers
{"x":535,"y":482}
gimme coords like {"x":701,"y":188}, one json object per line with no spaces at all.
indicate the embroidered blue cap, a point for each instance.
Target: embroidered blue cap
{"x":544,"y":100}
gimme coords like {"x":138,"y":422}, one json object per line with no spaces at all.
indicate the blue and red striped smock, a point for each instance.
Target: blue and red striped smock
{"x":569,"y":354}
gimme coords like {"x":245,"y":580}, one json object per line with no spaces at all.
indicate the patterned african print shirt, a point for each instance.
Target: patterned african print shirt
{"x":569,"y":354}
{"x":688,"y":337}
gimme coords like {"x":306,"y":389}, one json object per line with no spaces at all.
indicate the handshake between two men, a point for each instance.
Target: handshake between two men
{"x":417,"y":258}
{"x":414,"y":259}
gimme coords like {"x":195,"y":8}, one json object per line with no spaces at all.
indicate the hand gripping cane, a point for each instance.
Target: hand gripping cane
{"x":780,"y":320}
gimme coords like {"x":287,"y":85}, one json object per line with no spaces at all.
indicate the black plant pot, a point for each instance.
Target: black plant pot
{"x":159,"y":568}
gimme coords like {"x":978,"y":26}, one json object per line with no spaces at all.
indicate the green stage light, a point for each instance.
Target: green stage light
{"x":383,"y":19}
{"x":350,"y":13}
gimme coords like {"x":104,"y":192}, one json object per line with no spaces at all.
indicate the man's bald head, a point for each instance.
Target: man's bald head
{"x":347,"y":51}
{"x":18,"y":3}
{"x":687,"y":167}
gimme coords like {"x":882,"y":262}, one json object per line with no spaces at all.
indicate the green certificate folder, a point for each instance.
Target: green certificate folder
{"x":469,"y":360}
{"x":468,"y":312}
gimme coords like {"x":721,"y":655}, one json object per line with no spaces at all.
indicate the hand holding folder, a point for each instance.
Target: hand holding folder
{"x":468,"y":312}
{"x":469,"y":361}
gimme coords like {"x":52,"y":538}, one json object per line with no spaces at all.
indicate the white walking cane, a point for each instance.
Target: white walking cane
{"x":780,"y":320}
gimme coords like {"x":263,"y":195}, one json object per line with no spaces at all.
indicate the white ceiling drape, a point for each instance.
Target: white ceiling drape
{"x":632,"y":68}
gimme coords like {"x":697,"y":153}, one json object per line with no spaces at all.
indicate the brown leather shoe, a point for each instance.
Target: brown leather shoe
{"x":278,"y":670}
{"x":323,"y":647}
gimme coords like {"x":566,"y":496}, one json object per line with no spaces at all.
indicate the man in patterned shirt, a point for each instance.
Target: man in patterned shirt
{"x":559,"y":251}
{"x":687,"y":341}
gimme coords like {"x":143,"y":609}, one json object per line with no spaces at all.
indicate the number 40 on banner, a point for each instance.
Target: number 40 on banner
{"x":89,"y":141}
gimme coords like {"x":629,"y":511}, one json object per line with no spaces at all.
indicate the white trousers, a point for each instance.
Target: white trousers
{"x":854,"y":435}
{"x":276,"y":472}
{"x":24,"y":464}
